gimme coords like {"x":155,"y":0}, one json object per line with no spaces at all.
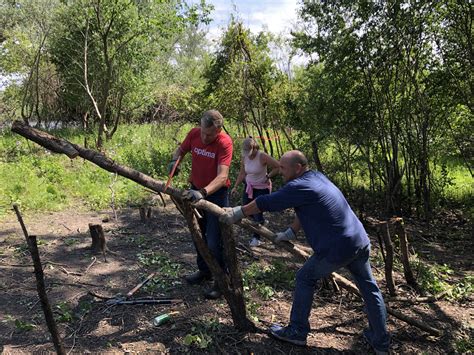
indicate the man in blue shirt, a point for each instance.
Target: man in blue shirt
{"x":335,"y":234}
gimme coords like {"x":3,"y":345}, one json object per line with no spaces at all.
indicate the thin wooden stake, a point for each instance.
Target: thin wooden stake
{"x":389,"y":260}
{"x":40,"y":286}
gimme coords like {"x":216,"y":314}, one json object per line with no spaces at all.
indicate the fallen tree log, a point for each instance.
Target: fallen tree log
{"x":65,"y":147}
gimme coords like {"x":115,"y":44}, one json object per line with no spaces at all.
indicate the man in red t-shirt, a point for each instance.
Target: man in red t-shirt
{"x":211,"y":151}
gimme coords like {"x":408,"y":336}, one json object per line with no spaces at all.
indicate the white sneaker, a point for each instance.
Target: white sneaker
{"x":255,"y":242}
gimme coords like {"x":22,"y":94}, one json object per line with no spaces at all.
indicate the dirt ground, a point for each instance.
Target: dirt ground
{"x":163,"y":245}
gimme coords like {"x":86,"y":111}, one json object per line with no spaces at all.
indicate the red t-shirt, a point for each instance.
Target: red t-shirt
{"x":206,"y":158}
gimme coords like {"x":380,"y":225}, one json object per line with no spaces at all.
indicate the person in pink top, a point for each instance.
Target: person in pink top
{"x":253,"y":172}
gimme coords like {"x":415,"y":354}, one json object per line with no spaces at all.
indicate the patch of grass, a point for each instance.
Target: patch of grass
{"x":434,"y":279}
{"x":21,"y":249}
{"x":24,"y":326}
{"x":169,"y":270}
{"x":252,"y":310}
{"x":277,"y":275}
{"x":201,"y":335}
{"x":464,"y":345}
{"x":38,"y":180}
{"x":70,"y":241}
{"x":139,"y":241}
{"x":19,"y":324}
{"x":63,"y":312}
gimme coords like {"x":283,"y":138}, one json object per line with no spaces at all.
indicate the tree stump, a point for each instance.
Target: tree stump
{"x":98,"y":239}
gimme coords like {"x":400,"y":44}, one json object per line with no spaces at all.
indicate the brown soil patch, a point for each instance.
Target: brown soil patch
{"x":201,"y":326}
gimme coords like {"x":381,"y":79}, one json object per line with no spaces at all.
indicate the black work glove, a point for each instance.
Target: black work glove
{"x":194,"y":195}
{"x":170,"y":168}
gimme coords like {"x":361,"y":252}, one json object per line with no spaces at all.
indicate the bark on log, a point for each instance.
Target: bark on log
{"x":385,"y":231}
{"x":102,"y":161}
{"x":233,"y":295}
{"x":44,"y":139}
{"x":402,"y":235}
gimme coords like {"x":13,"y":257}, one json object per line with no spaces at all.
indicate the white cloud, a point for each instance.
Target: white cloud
{"x":277,"y":16}
{"x":272,"y":15}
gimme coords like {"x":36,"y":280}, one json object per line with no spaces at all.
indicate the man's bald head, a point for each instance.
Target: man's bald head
{"x":295,"y":157}
{"x":292,"y":165}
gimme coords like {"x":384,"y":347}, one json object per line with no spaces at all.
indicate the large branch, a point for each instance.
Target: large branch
{"x":59,"y":145}
{"x":72,"y":150}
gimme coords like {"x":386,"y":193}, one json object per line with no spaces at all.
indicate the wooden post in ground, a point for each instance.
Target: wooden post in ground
{"x":385,"y":231}
{"x":142,"y":214}
{"x":40,"y":286}
{"x":405,"y":255}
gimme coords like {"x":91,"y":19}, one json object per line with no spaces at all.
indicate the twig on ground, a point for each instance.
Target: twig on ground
{"x":90,"y":265}
{"x":69,"y":229}
{"x":70,"y":272}
{"x":76,"y":284}
{"x":34,"y":304}
{"x":102,"y":297}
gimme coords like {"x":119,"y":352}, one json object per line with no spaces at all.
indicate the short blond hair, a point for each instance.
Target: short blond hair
{"x":249,"y":144}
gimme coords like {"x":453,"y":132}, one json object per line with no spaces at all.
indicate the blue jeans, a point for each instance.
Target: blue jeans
{"x":316,"y":268}
{"x":245,"y":200}
{"x":211,"y":232}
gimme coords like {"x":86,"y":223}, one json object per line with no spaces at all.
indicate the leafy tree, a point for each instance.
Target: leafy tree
{"x":240,"y":80}
{"x":373,"y":96}
{"x":25,"y":31}
{"x":104,"y":51}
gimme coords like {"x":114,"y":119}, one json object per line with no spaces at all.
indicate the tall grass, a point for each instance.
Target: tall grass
{"x":42,"y":181}
{"x":39,"y":180}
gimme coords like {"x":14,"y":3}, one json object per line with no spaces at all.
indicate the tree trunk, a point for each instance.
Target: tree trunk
{"x":400,"y":230}
{"x":385,"y":231}
{"x":229,"y":285}
{"x":316,"y":158}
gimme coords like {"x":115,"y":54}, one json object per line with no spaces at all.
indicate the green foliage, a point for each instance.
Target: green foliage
{"x":201,"y":334}
{"x":19,"y":324}
{"x":198,"y":340}
{"x":63,"y":312}
{"x":241,"y":81}
{"x":434,"y":279}
{"x":464,"y":345}
{"x":380,"y":98}
{"x":252,"y":308}
{"x":38,"y":180}
{"x":23,"y":326}
{"x":169,"y":271}
{"x":264,"y":280}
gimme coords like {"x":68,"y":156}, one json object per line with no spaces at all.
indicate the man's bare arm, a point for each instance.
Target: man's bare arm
{"x":219,"y":181}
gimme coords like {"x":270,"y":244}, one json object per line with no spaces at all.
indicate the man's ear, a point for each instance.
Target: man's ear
{"x":299,"y":168}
